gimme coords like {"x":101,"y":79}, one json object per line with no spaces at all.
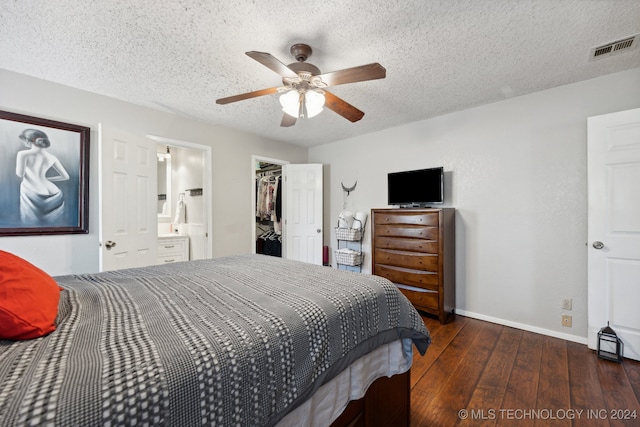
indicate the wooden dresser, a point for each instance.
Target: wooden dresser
{"x":415,"y":249}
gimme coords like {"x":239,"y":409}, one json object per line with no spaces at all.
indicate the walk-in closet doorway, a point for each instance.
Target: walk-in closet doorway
{"x":265,"y":229}
{"x":302,"y":197}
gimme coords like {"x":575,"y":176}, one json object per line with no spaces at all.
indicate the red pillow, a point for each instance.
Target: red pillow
{"x":28,"y":299}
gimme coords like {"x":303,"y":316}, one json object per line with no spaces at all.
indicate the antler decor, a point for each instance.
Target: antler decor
{"x":349,"y":189}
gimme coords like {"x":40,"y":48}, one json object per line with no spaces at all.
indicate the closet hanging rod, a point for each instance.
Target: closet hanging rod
{"x":260,"y":174}
{"x":269,"y":168}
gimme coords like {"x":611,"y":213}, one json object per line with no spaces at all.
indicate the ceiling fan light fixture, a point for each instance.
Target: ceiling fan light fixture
{"x":290,"y":102}
{"x":314,"y":101}
{"x":302,"y":104}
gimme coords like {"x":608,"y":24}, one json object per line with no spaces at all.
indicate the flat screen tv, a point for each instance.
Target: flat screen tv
{"x":420,"y":187}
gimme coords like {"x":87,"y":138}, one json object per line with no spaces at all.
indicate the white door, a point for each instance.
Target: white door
{"x":302,"y":206}
{"x":614,"y":227}
{"x":128,"y":198}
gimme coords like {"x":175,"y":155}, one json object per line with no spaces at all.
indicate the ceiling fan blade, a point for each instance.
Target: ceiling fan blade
{"x":362,"y":73}
{"x":287,"y":121}
{"x":247,"y":95}
{"x":272,"y":63}
{"x":342,"y":107}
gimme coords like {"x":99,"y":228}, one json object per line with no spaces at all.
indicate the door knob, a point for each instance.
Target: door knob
{"x":598,"y":245}
{"x":319,"y":230}
{"x":109,"y":244}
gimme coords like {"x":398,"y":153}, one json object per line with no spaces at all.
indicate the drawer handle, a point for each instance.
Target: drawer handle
{"x":169,"y":260}
{"x":169,"y":246}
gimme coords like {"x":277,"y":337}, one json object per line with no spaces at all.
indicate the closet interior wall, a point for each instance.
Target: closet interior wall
{"x":269,"y":209}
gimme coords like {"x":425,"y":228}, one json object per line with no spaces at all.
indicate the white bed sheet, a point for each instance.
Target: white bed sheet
{"x":332,"y":398}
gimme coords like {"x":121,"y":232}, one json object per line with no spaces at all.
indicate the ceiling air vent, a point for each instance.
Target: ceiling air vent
{"x":613,"y":48}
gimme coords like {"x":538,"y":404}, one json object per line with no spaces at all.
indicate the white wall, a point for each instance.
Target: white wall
{"x":517,"y":175}
{"x":231,"y":186}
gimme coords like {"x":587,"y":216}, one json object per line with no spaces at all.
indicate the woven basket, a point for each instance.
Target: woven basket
{"x":348,"y":259}
{"x":351,"y":234}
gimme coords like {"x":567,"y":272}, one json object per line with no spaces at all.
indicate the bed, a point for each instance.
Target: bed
{"x":247,"y":340}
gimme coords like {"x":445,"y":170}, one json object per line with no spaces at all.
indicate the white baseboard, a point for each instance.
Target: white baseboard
{"x":524,"y":327}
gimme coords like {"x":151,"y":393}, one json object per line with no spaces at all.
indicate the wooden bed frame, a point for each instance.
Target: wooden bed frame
{"x":386,"y":403}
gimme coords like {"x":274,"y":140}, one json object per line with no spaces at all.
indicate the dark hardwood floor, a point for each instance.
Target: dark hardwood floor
{"x":479,"y":373}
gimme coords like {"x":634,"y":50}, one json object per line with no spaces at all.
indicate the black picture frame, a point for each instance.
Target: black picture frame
{"x":44,"y":176}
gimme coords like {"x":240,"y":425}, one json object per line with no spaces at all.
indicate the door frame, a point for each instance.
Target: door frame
{"x":206,"y":184}
{"x":254,"y":160}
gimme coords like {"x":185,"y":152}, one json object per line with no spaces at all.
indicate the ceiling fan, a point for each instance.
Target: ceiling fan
{"x":304,"y":93}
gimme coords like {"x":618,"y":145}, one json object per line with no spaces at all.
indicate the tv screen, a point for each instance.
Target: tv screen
{"x":416,"y":188}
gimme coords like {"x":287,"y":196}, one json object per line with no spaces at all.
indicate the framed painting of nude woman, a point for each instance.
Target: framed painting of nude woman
{"x":44,"y":176}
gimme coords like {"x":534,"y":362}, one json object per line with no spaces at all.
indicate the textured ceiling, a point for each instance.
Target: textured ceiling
{"x":440,"y":56}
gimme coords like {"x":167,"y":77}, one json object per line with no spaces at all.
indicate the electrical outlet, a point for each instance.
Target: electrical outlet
{"x":566,"y":304}
{"x":566,"y":320}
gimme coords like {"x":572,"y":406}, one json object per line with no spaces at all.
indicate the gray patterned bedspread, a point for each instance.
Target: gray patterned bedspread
{"x":232,"y":341}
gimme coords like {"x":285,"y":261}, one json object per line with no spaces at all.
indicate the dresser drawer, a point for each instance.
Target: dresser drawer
{"x":411,"y":231}
{"x":422,"y":300}
{"x":414,"y":245}
{"x":412,"y":260}
{"x":421,"y":279}
{"x":407,"y":218}
{"x":170,"y":246}
{"x":166,"y":259}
